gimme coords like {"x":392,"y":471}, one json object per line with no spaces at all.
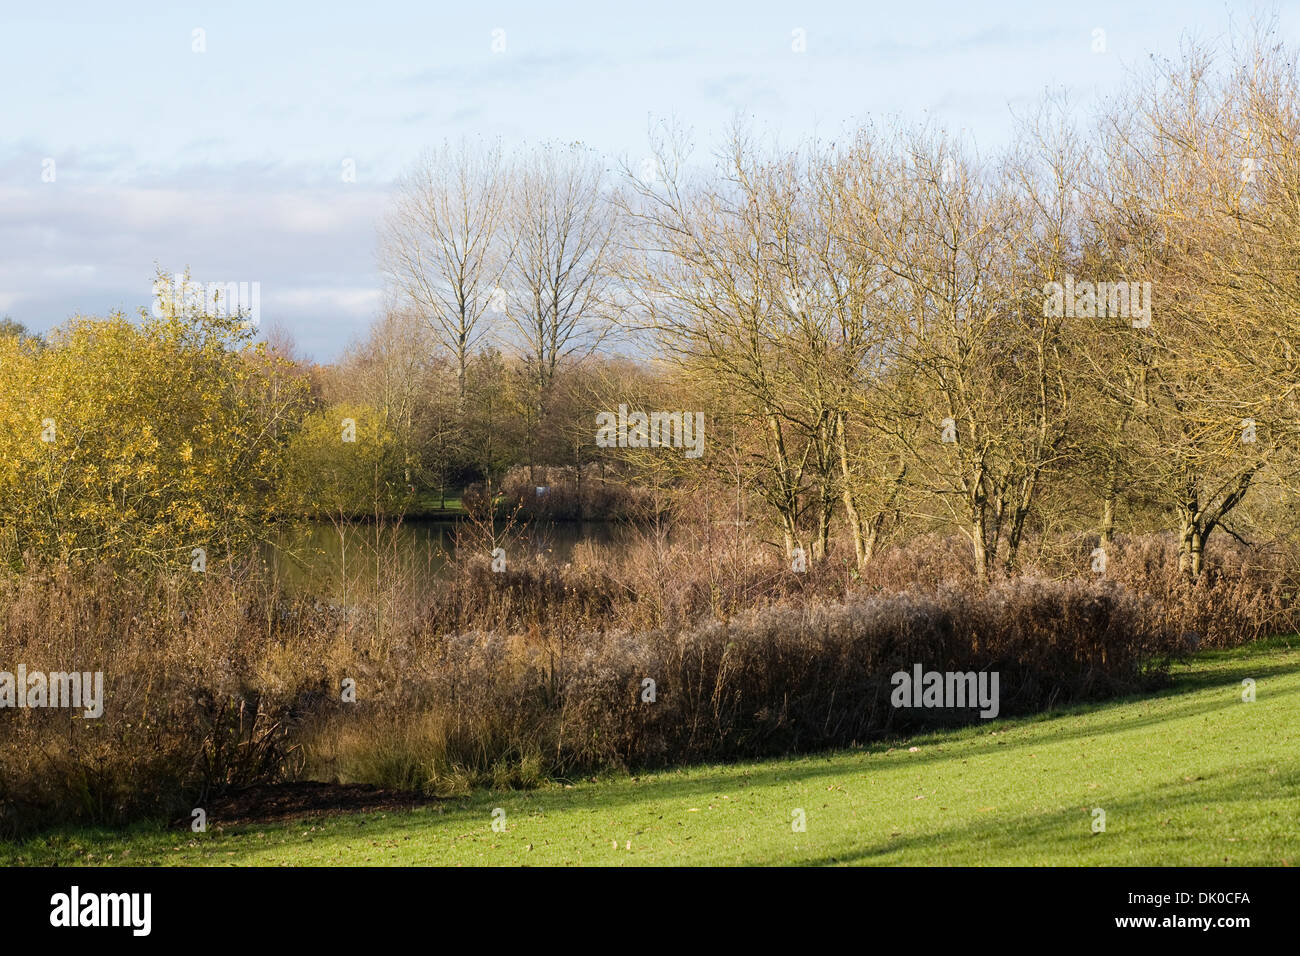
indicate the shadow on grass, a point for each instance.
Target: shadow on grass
{"x":470,"y":814}
{"x":1057,"y":836}
{"x":1049,"y":832}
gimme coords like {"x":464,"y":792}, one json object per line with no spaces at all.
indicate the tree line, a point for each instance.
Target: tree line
{"x":888,"y":334}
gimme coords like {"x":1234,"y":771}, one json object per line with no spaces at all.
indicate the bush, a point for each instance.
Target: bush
{"x":135,"y":444}
{"x":565,"y":499}
{"x":1243,"y":593}
{"x":508,"y":678}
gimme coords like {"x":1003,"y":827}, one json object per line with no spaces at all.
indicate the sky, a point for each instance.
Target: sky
{"x":259,"y":141}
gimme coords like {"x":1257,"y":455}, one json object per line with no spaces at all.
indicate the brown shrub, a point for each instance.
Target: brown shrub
{"x":1244,"y":593}
{"x":503,"y":679}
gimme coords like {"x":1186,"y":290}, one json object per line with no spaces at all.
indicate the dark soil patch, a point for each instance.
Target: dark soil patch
{"x":291,"y":801}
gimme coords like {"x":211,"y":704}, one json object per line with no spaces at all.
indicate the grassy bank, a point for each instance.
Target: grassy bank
{"x":429,"y":507}
{"x":1191,"y":776}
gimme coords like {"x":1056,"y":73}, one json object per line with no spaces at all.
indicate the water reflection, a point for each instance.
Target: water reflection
{"x":325,"y":558}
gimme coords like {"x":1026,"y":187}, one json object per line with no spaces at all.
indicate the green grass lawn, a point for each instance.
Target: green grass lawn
{"x":429,"y":505}
{"x":1193,"y":776}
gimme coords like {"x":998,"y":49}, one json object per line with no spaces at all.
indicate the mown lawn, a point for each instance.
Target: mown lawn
{"x":1192,"y":776}
{"x":429,"y":505}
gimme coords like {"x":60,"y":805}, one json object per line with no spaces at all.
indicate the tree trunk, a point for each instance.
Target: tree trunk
{"x":1191,"y":546}
{"x":860,"y":549}
{"x":821,"y":544}
{"x":979,"y":543}
{"x":1108,"y":511}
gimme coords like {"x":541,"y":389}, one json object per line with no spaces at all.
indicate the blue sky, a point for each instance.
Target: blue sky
{"x":230,"y":161}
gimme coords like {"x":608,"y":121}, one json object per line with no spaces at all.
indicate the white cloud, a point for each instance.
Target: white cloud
{"x":68,"y":248}
{"x":359,"y":301}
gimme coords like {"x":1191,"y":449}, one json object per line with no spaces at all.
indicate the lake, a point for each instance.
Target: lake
{"x":322,"y":557}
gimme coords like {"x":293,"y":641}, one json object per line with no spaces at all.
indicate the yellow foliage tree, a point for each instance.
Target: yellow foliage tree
{"x":141,"y":442}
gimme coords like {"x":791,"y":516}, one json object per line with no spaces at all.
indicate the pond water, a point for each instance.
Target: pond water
{"x":325,"y":557}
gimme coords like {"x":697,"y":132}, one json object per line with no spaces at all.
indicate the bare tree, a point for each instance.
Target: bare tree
{"x":1197,"y":194}
{"x":705,"y":281}
{"x":441,"y":244}
{"x":559,"y":279}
